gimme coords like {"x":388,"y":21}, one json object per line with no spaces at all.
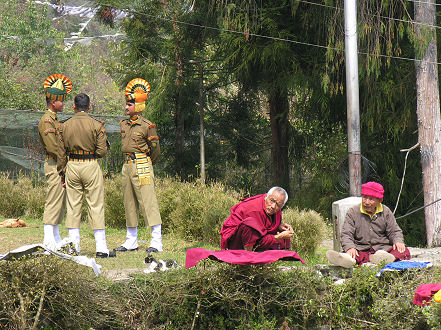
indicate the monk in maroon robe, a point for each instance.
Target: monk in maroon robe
{"x":255,"y":224}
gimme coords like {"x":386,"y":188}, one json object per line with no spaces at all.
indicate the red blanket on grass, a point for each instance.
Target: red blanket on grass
{"x":240,"y":257}
{"x":423,"y":294}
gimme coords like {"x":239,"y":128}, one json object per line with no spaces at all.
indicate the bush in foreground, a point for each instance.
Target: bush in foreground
{"x":224,"y":296}
{"x":49,"y":292}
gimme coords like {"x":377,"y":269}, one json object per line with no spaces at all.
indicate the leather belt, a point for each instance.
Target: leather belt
{"x":82,"y":155}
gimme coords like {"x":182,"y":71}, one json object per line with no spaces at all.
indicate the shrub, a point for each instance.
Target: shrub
{"x":13,"y":201}
{"x":309,"y":229}
{"x":383,"y":303}
{"x":193,"y":210}
{"x":21,"y":197}
{"x":114,"y":204}
{"x":49,"y":292}
{"x":35,"y":194}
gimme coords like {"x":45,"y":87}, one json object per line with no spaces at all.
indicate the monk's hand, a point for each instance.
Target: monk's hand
{"x":401,"y":247}
{"x":352,"y":252}
{"x":285,"y":227}
{"x":284,"y":235}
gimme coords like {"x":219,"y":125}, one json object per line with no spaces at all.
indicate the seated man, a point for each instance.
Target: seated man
{"x":255,"y":224}
{"x":370,"y":232}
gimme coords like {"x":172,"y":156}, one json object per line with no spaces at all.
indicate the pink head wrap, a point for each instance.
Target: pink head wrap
{"x":372,"y":189}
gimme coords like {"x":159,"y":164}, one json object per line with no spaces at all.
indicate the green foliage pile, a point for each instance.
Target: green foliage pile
{"x":52,"y":293}
{"x":224,"y":296}
{"x":309,"y":230}
{"x":384,"y":303}
{"x":47,"y":292}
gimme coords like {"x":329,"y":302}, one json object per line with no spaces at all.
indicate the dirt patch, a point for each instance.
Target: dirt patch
{"x":121,"y":274}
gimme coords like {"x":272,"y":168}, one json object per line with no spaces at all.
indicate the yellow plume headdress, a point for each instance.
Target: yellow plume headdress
{"x":137,"y":91}
{"x":57,"y":86}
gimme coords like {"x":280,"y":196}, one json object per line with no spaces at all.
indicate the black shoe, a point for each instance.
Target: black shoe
{"x":149,"y":259}
{"x":152,"y":250}
{"x":123,"y":249}
{"x":69,"y":249}
{"x":105,"y":255}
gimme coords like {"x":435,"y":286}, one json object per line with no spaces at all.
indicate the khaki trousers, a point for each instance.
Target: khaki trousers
{"x":136,"y":196}
{"x":55,"y":205}
{"x":85,"y":179}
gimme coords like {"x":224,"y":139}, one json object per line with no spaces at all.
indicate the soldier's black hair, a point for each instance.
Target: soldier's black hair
{"x":82,"y":102}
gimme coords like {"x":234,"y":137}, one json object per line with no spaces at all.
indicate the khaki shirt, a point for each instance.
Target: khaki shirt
{"x":362,"y":232}
{"x":48,"y":131}
{"x":141,"y":136}
{"x":82,"y":132}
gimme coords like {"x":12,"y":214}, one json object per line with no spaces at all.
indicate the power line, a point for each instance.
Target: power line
{"x":273,"y":38}
{"x":420,"y":208}
{"x":265,"y":36}
{"x":424,"y":2}
{"x":379,"y":16}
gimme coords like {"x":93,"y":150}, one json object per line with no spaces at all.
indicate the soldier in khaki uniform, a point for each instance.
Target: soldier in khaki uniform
{"x":140,"y":146}
{"x":56,"y":87}
{"x":83,"y":142}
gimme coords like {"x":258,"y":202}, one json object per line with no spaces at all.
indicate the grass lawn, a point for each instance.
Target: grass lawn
{"x":125,"y":262}
{"x":174,"y":246}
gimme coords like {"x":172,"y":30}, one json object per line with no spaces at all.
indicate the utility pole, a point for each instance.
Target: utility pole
{"x":352,"y":98}
{"x":201,"y":118}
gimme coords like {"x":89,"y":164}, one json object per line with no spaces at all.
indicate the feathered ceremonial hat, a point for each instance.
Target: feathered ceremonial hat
{"x":57,"y":86}
{"x":137,"y":91}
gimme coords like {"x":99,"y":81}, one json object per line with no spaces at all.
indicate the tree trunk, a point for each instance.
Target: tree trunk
{"x":279,"y":110}
{"x":180,"y":136}
{"x":179,"y":113}
{"x":428,"y":114}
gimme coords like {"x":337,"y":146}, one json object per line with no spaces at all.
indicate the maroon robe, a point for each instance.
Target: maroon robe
{"x":249,"y":225}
